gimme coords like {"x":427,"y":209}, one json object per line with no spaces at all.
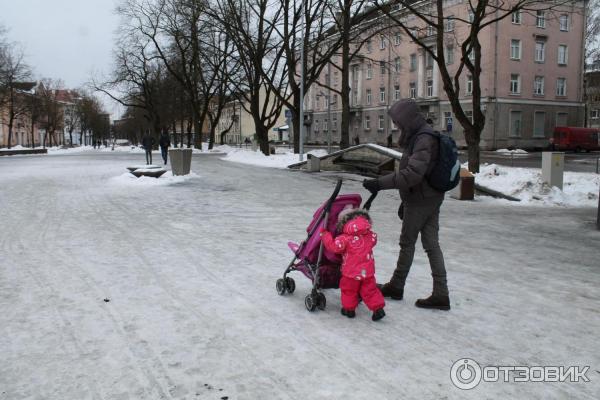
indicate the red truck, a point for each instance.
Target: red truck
{"x":576,"y":139}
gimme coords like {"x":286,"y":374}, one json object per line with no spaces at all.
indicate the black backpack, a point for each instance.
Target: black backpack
{"x":445,"y":174}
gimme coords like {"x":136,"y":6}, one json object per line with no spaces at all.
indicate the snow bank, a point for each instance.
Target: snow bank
{"x":580,"y":189}
{"x":515,"y":152}
{"x":257,"y":158}
{"x":127,"y":179}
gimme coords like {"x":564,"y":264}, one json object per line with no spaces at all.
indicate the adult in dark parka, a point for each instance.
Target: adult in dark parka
{"x":420,"y":207}
{"x":148,"y":142}
{"x":164,"y":142}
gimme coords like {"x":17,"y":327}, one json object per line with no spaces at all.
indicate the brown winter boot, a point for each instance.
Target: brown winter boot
{"x":387,"y":290}
{"x":435,"y":302}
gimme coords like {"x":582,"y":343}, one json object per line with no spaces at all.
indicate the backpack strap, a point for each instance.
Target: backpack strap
{"x":413,"y":140}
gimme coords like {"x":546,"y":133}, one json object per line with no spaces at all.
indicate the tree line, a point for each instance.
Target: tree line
{"x":180,"y":62}
{"x":30,"y":104}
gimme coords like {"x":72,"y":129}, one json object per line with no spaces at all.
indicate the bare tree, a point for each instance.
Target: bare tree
{"x":14,"y":73}
{"x":51,"y":115}
{"x":251,"y":25}
{"x":432,"y":20}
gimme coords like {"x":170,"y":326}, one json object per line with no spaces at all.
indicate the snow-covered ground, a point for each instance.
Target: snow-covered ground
{"x":115,"y":288}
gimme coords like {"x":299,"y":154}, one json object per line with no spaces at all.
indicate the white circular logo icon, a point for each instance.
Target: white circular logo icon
{"x":465,"y":374}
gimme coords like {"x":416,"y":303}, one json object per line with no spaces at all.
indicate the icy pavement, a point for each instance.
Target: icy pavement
{"x":189,"y":270}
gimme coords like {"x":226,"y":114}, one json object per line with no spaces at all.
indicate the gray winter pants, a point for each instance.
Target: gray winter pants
{"x":422,"y":219}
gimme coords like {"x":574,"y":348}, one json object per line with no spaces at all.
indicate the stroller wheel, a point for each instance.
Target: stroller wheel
{"x":310,"y":303}
{"x":290,"y":285}
{"x":321,"y":301}
{"x":281,"y":287}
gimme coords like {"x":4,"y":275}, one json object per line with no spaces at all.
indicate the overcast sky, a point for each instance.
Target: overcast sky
{"x":64,"y":39}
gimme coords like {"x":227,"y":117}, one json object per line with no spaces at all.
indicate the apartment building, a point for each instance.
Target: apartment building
{"x":531,"y":80}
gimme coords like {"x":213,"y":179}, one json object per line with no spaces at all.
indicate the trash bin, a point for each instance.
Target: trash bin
{"x":553,"y":165}
{"x":466,"y":186}
{"x":181,"y":161}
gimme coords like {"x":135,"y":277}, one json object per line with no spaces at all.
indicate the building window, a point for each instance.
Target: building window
{"x":515,"y":49}
{"x":367,"y":122}
{"x":397,"y":64}
{"x":539,"y":122}
{"x":397,"y":92}
{"x":540,"y":19}
{"x":561,"y":87}
{"x":413,"y":62}
{"x":381,"y":123}
{"x":412,"y":93}
{"x":428,"y":60}
{"x":449,"y":24}
{"x":562,"y":54}
{"x":334,"y":124}
{"x":515,"y":123}
{"x":563,"y":21}
{"x":450,"y":55}
{"x":472,"y":55}
{"x":469,"y":84}
{"x":429,"y":88}
{"x":516,"y":17}
{"x":471,"y":15}
{"x":369,"y":70}
{"x":397,"y":38}
{"x":538,"y":85}
{"x":515,"y":84}
{"x":469,"y":115}
{"x":369,"y":46}
{"x":393,"y":125}
{"x":562,"y":119}
{"x":325,"y":125}
{"x":382,"y":95}
{"x":368,"y":97}
{"x":540,"y":50}
{"x":430,"y":30}
{"x":382,"y":67}
{"x":382,"y":42}
{"x":316,"y":125}
{"x":595,"y":114}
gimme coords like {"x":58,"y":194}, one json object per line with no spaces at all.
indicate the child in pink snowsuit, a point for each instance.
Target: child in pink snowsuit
{"x":358,"y":266}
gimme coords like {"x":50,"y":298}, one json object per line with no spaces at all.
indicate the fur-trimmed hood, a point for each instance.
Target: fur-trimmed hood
{"x":349,"y":214}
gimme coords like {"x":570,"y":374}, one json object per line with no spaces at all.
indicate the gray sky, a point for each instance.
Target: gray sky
{"x":64,"y":39}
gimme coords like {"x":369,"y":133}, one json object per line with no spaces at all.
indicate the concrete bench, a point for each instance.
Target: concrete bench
{"x":151,"y":172}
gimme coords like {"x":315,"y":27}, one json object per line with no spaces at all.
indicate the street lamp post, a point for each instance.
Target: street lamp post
{"x":301,"y":117}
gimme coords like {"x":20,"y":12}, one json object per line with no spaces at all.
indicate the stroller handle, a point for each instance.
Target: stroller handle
{"x":336,"y":191}
{"x":367,"y":205}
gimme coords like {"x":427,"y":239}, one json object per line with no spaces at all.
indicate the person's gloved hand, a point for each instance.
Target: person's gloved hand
{"x":372,"y":185}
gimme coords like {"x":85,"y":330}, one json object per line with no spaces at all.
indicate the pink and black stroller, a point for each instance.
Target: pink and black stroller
{"x":311,"y":258}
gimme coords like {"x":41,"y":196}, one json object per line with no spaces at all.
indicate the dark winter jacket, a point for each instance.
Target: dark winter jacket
{"x":148,"y":142}
{"x":410,"y":176}
{"x":164,"y":140}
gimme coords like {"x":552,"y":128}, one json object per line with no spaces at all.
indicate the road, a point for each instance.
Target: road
{"x":117,"y":288}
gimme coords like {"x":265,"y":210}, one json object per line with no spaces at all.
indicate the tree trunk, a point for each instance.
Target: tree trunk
{"x":262,"y":134}
{"x":10,"y":132}
{"x":345,"y":95}
{"x":32,"y":135}
{"x":71,"y":138}
{"x":472,"y":139}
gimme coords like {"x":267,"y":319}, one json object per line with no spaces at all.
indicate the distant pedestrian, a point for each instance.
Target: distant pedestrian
{"x":148,"y":142}
{"x":356,"y":140}
{"x":389,"y":141}
{"x":164,"y":143}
